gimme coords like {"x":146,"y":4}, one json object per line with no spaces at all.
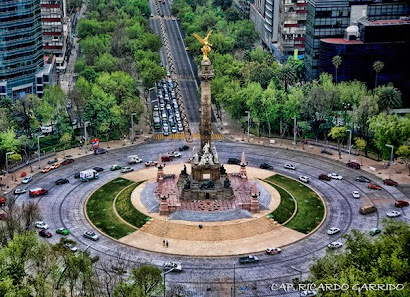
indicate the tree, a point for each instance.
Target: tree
{"x":65,"y":140}
{"x":360,"y":145}
{"x":338,"y":133}
{"x":88,"y":27}
{"x":224,"y":4}
{"x":404,"y":152}
{"x":106,"y":63}
{"x":94,"y":46}
{"x":52,"y":105}
{"x":336,"y":61}
{"x":287,"y":76}
{"x":389,"y":97}
{"x":377,"y":67}
{"x":384,"y":260}
{"x":145,"y":281}
{"x":25,"y":112}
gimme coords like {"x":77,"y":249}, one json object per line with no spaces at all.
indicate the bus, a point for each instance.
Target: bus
{"x":157,"y":123}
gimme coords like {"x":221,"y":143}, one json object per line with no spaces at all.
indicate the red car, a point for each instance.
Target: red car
{"x":273,"y":251}
{"x":353,"y":165}
{"x":151,"y":163}
{"x":45,"y":233}
{"x":37,"y":192}
{"x":166,"y":159}
{"x":2,"y":201}
{"x":374,"y":186}
{"x":68,"y":161}
{"x":401,"y":203}
{"x":325,"y":177}
{"x":390,"y":182}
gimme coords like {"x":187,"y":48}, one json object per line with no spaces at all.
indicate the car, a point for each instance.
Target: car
{"x":325,"y":177}
{"x":393,"y":214}
{"x":126,"y":169}
{"x":374,"y":231}
{"x":363,"y":179}
{"x":62,"y":231}
{"x":37,"y":192}
{"x":353,"y":165}
{"x":333,"y":230}
{"x":374,"y":186}
{"x":98,"y":169}
{"x":265,"y":166}
{"x":174,"y":154}
{"x":151,"y":163}
{"x":289,"y":166}
{"x":46,"y":169}
{"x":390,"y":182}
{"x":234,"y":161}
{"x":27,"y":179}
{"x":40,"y":225}
{"x":115,"y":167}
{"x":248,"y":259}
{"x":68,"y":161}
{"x":70,"y":246}
{"x":165,"y":131}
{"x":401,"y":203}
{"x":168,"y":106}
{"x":55,"y":165}
{"x":61,"y":181}
{"x":90,"y":235}
{"x":356,"y":194}
{"x":19,"y":191}
{"x":308,"y":293}
{"x":166,"y":159}
{"x":325,"y":151}
{"x":155,"y":108}
{"x":45,"y":233}
{"x":335,"y":245}
{"x":172,"y":266}
{"x":304,"y":179}
{"x":183,"y":148}
{"x":100,"y":151}
{"x":335,"y":176}
{"x":52,"y":161}
{"x":174,"y":129}
{"x":180,"y":128}
{"x":77,"y":175}
{"x":273,"y":251}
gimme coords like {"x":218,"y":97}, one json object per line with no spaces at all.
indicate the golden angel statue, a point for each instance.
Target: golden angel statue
{"x":207,"y":46}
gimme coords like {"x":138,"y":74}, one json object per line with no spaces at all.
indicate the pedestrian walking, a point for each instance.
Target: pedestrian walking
{"x":163,"y":242}
{"x":166,"y":242}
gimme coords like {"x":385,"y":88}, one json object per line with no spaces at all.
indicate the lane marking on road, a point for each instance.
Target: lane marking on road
{"x":182,"y":136}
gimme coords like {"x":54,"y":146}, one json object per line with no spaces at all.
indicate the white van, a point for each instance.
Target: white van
{"x":88,"y":175}
{"x":133,"y":159}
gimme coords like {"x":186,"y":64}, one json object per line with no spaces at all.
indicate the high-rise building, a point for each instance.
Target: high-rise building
{"x":56,"y":30}
{"x":330,"y":18}
{"x":22,"y":67}
{"x":281,"y":25}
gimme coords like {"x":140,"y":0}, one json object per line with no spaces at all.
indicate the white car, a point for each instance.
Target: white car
{"x":19,"y":191}
{"x":174,"y":154}
{"x":303,"y":178}
{"x":174,"y":266}
{"x":126,"y":169}
{"x":333,"y":230}
{"x":335,"y":245}
{"x":41,"y":225}
{"x":289,"y":166}
{"x":27,"y":179}
{"x":335,"y":176}
{"x":173,"y":129}
{"x":308,"y":294}
{"x":90,"y":235}
{"x":356,"y":194}
{"x":393,"y":214}
{"x":70,"y":247}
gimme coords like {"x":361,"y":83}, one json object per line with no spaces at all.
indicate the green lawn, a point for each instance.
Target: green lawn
{"x":310,"y":207}
{"x":100,"y":209}
{"x":286,"y":206}
{"x":127,"y":211}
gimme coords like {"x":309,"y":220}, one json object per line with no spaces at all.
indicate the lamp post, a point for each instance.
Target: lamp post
{"x":38,"y":150}
{"x":249,"y":117}
{"x":391,"y":154}
{"x":132,"y":127}
{"x":7,"y":168}
{"x":234,"y":280}
{"x":165,"y":273}
{"x":350,"y":141}
{"x":85,"y":136}
{"x":294,"y":132}
{"x":300,"y":274}
{"x":346,"y":106}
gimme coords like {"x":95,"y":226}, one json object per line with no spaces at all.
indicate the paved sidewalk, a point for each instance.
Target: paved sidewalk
{"x":397,"y":171}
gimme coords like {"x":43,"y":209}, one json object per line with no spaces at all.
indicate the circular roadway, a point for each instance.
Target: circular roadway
{"x":64,"y":207}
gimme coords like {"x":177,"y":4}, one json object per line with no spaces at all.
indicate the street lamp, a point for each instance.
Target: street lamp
{"x":132,"y":127}
{"x":391,"y":154}
{"x":7,"y":168}
{"x":38,"y":150}
{"x":85,"y":136}
{"x":294,"y":132}
{"x":249,"y":117}
{"x":350,"y":141}
{"x":165,"y":273}
{"x":300,"y":274}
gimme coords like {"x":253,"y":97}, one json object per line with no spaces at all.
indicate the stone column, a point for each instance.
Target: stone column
{"x":242,"y":170}
{"x":254,"y":201}
{"x":206,"y":74}
{"x":163,"y":207}
{"x":160,"y":167}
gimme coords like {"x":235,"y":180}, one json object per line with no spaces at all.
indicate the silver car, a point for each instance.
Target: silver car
{"x":27,"y":179}
{"x":90,"y":235}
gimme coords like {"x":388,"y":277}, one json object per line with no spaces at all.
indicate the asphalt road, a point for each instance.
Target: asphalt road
{"x":64,"y":207}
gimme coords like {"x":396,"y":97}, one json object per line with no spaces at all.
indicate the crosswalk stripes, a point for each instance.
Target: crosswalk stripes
{"x":182,"y":136}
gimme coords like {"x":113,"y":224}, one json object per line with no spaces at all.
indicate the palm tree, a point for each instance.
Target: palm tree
{"x":287,"y":75}
{"x":389,"y":97}
{"x":377,"y":67}
{"x":337,"y":61}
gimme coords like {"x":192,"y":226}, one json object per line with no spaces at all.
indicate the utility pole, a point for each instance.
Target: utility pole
{"x":234,"y":280}
{"x":85,"y":136}
{"x":350,"y":141}
{"x":300,"y":275}
{"x":38,"y":150}
{"x":294,"y":133}
{"x":391,"y":154}
{"x":249,"y":117}
{"x":7,"y":168}
{"x":132,"y":127}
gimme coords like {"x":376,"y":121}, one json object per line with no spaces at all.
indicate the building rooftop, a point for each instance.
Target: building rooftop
{"x":385,"y":22}
{"x":341,"y":41}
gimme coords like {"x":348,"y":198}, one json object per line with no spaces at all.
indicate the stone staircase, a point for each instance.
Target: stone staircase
{"x":216,"y":216}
